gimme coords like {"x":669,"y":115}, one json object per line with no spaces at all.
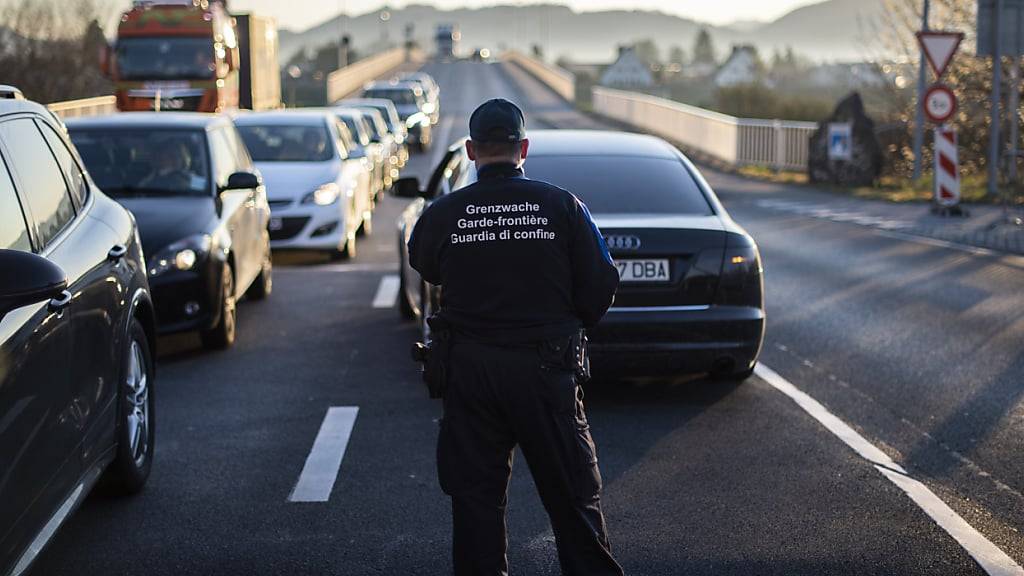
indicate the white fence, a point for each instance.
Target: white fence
{"x":738,"y":141}
{"x":350,"y":79}
{"x":87,"y":107}
{"x":559,"y":80}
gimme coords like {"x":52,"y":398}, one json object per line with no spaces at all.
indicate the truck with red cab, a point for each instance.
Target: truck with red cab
{"x":189,"y":55}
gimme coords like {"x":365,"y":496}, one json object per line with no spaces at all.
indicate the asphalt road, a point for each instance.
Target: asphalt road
{"x":917,"y":347}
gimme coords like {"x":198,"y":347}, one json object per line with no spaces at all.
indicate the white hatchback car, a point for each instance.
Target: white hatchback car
{"x":320,"y":198}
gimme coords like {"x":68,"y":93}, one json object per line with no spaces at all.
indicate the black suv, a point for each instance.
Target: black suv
{"x":76,"y":336}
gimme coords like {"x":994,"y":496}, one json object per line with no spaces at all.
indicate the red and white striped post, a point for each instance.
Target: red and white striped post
{"x":947,"y":167}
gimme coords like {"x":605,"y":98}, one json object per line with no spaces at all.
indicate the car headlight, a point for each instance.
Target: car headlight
{"x":181,"y":255}
{"x":416,"y":119}
{"x":324,"y":195}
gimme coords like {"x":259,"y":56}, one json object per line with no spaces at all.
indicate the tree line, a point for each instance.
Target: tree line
{"x":50,"y":49}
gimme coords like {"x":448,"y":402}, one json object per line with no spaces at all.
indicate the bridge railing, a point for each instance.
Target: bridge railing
{"x":778,"y":144}
{"x":559,"y":80}
{"x":350,"y":79}
{"x":86,"y":107}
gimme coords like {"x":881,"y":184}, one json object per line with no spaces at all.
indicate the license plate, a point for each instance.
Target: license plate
{"x":643,"y":270}
{"x":275,"y":224}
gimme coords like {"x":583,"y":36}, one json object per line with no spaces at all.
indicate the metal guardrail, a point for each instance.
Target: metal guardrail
{"x":350,"y":79}
{"x":775,"y":144}
{"x":559,"y":80}
{"x":87,"y":107}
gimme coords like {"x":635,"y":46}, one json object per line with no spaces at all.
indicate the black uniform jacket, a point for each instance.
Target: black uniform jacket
{"x":518,"y":260}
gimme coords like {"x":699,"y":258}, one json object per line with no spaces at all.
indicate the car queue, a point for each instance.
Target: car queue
{"x":117,"y":229}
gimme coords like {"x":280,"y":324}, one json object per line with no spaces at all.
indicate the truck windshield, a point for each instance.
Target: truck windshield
{"x":165,"y":58}
{"x":128,"y":163}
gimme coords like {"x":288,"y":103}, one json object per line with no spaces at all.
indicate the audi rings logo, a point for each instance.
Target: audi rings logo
{"x":618,"y":242}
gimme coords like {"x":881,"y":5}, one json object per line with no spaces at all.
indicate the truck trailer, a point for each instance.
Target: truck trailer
{"x":259,"y":72}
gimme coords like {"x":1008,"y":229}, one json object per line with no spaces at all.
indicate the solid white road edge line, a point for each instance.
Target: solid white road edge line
{"x":1005,"y":258}
{"x":321,"y":469}
{"x":387,"y":292}
{"x":994,"y":561}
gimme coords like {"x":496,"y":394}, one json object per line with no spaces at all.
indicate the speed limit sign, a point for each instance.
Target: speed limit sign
{"x":939,"y":103}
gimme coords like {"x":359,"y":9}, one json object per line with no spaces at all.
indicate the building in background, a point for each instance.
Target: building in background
{"x":742,"y":67}
{"x":628,"y":71}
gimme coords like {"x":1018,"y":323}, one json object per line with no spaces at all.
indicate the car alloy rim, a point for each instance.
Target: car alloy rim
{"x":138,"y":404}
{"x":229,"y":301}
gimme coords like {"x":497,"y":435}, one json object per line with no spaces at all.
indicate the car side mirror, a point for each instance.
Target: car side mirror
{"x":408,"y":188}
{"x":242,"y":181}
{"x":28,"y":278}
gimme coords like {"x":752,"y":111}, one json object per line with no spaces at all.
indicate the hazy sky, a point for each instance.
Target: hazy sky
{"x":301,"y":14}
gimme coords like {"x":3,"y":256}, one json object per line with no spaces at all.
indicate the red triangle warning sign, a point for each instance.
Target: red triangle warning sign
{"x":939,"y":48}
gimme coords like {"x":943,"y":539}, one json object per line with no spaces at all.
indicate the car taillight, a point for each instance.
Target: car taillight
{"x":740,"y":281}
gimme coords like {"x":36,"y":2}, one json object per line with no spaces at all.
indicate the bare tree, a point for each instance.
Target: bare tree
{"x":50,"y":49}
{"x":970,"y":77}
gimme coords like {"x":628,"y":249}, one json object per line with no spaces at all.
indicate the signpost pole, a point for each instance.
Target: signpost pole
{"x":997,"y":80}
{"x":1013,"y":104}
{"x":919,"y":113}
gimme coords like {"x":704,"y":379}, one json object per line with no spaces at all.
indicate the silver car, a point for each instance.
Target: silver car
{"x":319,"y":193}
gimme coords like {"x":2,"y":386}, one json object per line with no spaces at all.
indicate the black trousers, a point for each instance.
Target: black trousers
{"x":499,"y":397}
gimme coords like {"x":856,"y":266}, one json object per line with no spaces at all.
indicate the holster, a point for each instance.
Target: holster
{"x":569,"y":355}
{"x":581,"y":356}
{"x":435,"y":356}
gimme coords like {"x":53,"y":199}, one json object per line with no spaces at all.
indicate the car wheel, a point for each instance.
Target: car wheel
{"x":736,"y":377}
{"x":404,"y":306}
{"x":264,"y":283}
{"x":128,"y":472}
{"x":347,"y":252}
{"x":222,"y":335}
{"x":366,"y":228}
{"x":426,"y":309}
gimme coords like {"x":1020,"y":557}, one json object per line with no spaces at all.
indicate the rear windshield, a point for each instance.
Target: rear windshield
{"x":396,"y":95}
{"x":127,"y":163}
{"x":623,"y":184}
{"x":287,"y":143}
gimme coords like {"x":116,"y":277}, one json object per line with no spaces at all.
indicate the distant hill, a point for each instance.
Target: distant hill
{"x":831,"y":30}
{"x":827,"y":27}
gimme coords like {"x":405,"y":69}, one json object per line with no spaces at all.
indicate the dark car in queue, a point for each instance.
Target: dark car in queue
{"x":411,"y":104}
{"x":691,"y":293}
{"x":77,"y":336}
{"x":201,"y":207}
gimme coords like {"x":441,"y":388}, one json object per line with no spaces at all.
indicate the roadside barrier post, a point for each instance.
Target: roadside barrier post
{"x":947,"y":172}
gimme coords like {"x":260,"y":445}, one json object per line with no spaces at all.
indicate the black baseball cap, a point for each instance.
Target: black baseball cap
{"x":497,"y":120}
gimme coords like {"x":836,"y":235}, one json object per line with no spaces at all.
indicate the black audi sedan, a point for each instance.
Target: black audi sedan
{"x":691,"y":292}
{"x":77,"y":335}
{"x":201,"y":207}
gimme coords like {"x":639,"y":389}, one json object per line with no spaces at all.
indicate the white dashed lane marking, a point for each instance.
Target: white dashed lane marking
{"x":324,"y":461}
{"x":387,"y":292}
{"x":994,"y":561}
